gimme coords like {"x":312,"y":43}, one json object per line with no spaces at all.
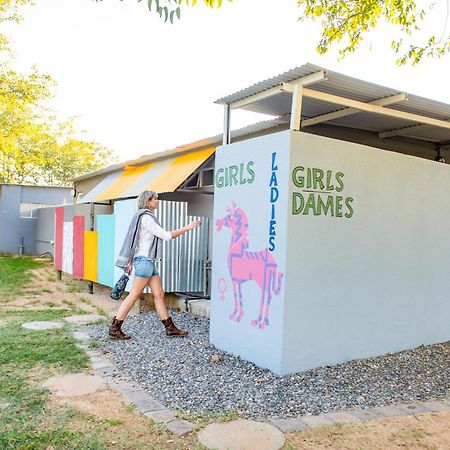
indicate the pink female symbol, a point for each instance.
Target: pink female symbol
{"x":222,"y":285}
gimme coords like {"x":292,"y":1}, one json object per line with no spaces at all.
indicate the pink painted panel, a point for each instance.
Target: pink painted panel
{"x":78,"y":246}
{"x":59,"y":232}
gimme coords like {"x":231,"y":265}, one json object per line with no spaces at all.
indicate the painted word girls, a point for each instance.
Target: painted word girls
{"x":235,"y":175}
{"x":317,"y":197}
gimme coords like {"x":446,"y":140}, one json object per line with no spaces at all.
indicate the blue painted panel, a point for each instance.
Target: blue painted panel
{"x":123,"y":212}
{"x":106,"y":243}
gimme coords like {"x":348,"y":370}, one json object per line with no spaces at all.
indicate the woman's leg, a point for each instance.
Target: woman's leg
{"x":139,"y":284}
{"x":158,"y":296}
{"x":161,"y":308}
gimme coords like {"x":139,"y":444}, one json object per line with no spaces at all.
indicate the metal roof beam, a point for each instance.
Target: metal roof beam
{"x":401,"y":131}
{"x":348,"y":111}
{"x":282,"y":87}
{"x":330,"y":98}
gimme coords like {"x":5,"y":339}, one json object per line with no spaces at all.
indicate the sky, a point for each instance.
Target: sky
{"x":139,"y":86}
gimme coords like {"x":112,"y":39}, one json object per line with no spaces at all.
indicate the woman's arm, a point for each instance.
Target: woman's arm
{"x":158,"y":231}
{"x":180,"y":231}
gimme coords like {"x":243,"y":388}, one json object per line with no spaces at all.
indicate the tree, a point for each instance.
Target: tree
{"x":346,"y":22}
{"x":349,"y":20}
{"x":34,"y":146}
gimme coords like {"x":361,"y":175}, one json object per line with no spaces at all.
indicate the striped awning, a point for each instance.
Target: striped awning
{"x":160,"y":176}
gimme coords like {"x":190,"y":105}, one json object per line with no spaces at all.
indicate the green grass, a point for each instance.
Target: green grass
{"x":75,"y":286}
{"x":14,"y":276}
{"x":22,"y":352}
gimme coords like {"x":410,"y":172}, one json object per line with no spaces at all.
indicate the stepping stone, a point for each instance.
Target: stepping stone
{"x":84,"y":318}
{"x":4,"y":406}
{"x":181,"y":427}
{"x":163,"y":416}
{"x":241,"y":435}
{"x":44,"y":325}
{"x":74,"y":384}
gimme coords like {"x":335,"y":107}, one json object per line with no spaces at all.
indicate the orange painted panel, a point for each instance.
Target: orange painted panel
{"x":90,"y":255}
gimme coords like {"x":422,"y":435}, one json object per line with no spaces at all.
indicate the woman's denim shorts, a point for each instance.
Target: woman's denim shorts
{"x":144,"y":267}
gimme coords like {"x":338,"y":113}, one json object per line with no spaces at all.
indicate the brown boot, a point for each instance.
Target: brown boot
{"x":115,"y":330}
{"x":171,"y":329}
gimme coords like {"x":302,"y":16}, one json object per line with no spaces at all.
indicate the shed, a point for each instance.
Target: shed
{"x":344,"y":254}
{"x":19,"y":206}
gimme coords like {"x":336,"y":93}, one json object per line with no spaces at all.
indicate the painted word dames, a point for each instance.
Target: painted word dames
{"x":315,"y":185}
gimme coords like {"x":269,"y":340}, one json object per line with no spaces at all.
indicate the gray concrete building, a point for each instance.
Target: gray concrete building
{"x":19,"y":205}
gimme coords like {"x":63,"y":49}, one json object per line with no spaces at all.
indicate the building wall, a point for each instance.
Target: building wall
{"x":359,"y":244}
{"x":249,"y":248}
{"x":13,"y":227}
{"x":371,"y":278}
{"x":45,"y":223}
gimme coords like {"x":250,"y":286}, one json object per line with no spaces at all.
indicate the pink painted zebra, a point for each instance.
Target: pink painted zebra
{"x":245,"y":265}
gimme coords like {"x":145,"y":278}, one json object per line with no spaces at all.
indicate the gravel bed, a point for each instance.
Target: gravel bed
{"x":180,"y":374}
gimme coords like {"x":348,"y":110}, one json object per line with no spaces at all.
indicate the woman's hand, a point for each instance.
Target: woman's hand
{"x":128,"y":268}
{"x":194,"y":224}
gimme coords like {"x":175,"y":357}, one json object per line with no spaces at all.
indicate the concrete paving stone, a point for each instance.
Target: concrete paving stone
{"x":149,"y":405}
{"x":316,"y":421}
{"x":103,"y":364}
{"x":107,"y":372}
{"x":84,"y":318}
{"x":42,"y":325}
{"x":98,"y":363}
{"x":366,"y":414}
{"x":289,"y":425}
{"x":389,"y":411}
{"x":75,"y":384}
{"x":342,"y":417}
{"x":125,"y":387}
{"x":4,"y":405}
{"x":437,"y":405}
{"x":81,"y":336}
{"x":241,"y":435}
{"x":93,"y":353}
{"x":180,"y":427}
{"x":163,"y":416}
{"x":137,"y":396}
{"x":413,"y":408}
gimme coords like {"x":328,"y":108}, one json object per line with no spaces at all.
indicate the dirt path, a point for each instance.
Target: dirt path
{"x":426,"y":431}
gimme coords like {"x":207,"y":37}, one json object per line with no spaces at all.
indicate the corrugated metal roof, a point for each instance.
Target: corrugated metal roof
{"x":212,"y":141}
{"x":351,"y":88}
{"x":163,"y":175}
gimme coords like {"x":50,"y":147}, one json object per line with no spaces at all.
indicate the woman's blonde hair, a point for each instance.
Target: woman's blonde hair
{"x":144,"y":197}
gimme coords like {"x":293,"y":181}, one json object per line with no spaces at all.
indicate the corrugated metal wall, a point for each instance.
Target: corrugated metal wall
{"x":182,"y":269}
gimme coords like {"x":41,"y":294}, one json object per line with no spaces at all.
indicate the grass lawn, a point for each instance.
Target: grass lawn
{"x":14,"y":274}
{"x":30,"y":418}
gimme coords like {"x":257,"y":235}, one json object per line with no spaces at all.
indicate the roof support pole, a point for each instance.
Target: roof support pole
{"x":226,"y":125}
{"x":296,"y":108}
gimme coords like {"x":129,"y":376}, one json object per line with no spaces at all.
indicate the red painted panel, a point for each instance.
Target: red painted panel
{"x":59,"y":226}
{"x":78,"y":246}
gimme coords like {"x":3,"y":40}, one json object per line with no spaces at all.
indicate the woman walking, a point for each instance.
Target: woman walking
{"x":142,"y":248}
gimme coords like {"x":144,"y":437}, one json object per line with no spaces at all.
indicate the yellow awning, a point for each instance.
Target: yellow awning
{"x":160,"y":176}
